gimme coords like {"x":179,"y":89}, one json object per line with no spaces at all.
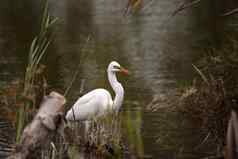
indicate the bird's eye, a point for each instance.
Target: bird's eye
{"x":116,"y":67}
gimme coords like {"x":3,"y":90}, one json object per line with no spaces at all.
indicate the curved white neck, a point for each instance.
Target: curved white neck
{"x":118,"y":89}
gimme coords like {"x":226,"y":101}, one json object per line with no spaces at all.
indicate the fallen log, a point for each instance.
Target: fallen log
{"x":43,"y":127}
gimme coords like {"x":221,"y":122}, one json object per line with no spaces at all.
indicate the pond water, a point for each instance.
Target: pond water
{"x":156,"y":48}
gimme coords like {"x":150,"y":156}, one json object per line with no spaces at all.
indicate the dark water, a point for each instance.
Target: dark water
{"x":157,"y":49}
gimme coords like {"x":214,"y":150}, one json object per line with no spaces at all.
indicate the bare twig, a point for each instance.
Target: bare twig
{"x":76,"y":72}
{"x":127,"y":10}
{"x":184,"y":6}
{"x":201,"y":74}
{"x":234,"y":11}
{"x":72,"y":81}
{"x":203,"y":141}
{"x":75,"y":76}
{"x":131,"y":4}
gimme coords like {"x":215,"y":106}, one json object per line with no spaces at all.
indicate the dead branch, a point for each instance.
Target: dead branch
{"x":232,"y":12}
{"x":43,"y":127}
{"x":184,"y":6}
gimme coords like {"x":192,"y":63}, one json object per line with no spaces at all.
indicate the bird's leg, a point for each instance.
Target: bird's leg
{"x":86,"y":128}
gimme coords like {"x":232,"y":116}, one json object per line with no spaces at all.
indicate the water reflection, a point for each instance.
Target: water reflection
{"x":16,"y":29}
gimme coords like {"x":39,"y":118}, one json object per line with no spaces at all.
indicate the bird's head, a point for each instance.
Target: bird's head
{"x":116,"y":67}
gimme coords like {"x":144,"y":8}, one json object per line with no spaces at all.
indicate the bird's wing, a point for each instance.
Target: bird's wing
{"x":85,"y":99}
{"x":85,"y":111}
{"x":87,"y":106}
{"x":81,"y":105}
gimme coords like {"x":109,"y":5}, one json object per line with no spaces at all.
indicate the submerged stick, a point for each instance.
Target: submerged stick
{"x":43,"y":127}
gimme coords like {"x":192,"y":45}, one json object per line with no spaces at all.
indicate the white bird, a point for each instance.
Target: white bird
{"x":99,"y":101}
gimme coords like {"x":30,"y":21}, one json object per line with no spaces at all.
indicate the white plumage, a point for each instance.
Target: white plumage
{"x":99,"y":101}
{"x":91,"y":105}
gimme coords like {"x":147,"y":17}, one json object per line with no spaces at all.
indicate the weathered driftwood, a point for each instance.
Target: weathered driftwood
{"x":43,"y":127}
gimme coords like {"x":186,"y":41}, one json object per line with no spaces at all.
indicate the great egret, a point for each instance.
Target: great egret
{"x":99,"y":101}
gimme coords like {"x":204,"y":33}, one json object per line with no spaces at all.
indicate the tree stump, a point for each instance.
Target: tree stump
{"x":43,"y":127}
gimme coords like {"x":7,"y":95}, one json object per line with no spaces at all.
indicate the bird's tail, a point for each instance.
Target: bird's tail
{"x":7,"y":137}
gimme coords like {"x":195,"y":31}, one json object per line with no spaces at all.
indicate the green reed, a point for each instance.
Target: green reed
{"x":117,"y":131}
{"x":133,"y":132}
{"x":37,"y":50}
{"x":106,"y":130}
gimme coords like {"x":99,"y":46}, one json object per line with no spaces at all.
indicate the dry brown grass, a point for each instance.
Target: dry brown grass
{"x":207,"y":103}
{"x":103,"y":137}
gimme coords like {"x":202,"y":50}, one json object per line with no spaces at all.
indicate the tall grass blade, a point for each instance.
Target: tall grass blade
{"x":201,"y":74}
{"x":32,"y":49}
{"x":37,"y":50}
{"x":45,"y":13}
{"x":140,"y":146}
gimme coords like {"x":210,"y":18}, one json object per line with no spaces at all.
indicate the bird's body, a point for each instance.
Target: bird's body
{"x":91,"y":105}
{"x":99,"y":101}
